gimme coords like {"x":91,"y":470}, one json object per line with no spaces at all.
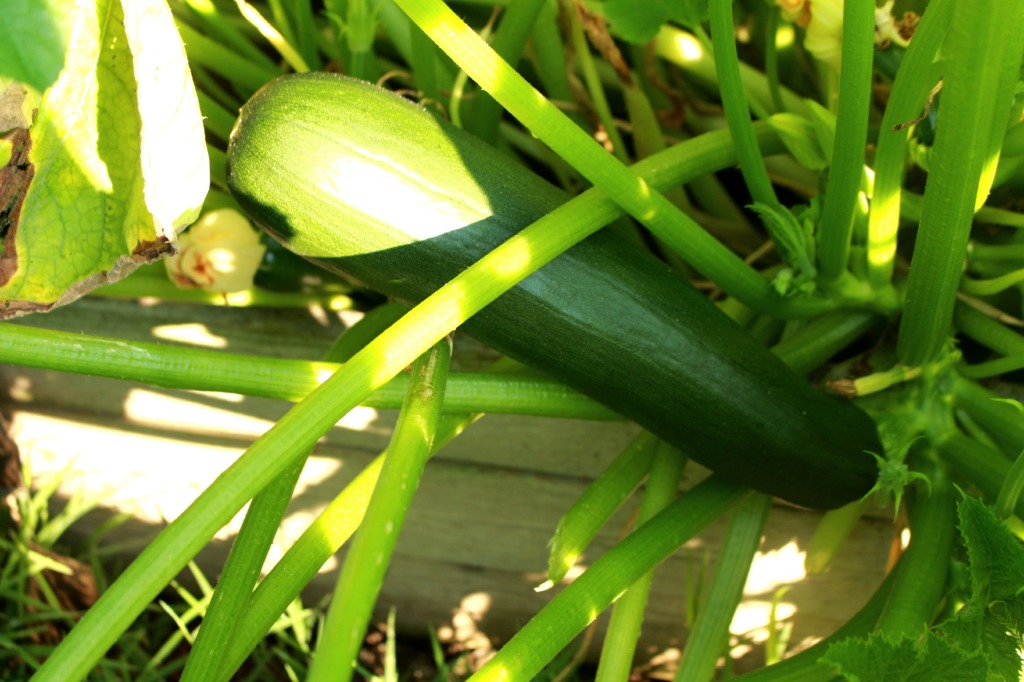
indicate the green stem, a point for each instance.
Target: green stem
{"x":251,"y":546}
{"x":367,"y":560}
{"x":683,"y":49}
{"x":709,"y":638}
{"x":921,"y":581}
{"x":161,"y":288}
{"x":992,"y":286}
{"x":423,"y":59}
{"x":847,"y":167}
{"x":241,"y":571}
{"x":771,"y":59}
{"x":734,"y":100}
{"x":550,"y":54}
{"x":282,"y":20}
{"x":917,"y":75}
{"x":820,"y":339}
{"x":270,"y":32}
{"x":986,"y":331}
{"x":218,"y":27}
{"x":992,"y":368}
{"x":628,"y":613}
{"x":216,"y":119}
{"x":171,"y":366}
{"x":575,"y":607}
{"x":593,"y":81}
{"x":248,"y":75}
{"x":1002,"y":421}
{"x":305,"y":34}
{"x":982,"y":40}
{"x":997,"y":253}
{"x":983,"y":466}
{"x":369,"y":327}
{"x":509,"y":40}
{"x":303,"y":560}
{"x":833,"y":528}
{"x":360,"y":29}
{"x":592,"y":509}
{"x":911,"y":205}
{"x":1010,"y":490}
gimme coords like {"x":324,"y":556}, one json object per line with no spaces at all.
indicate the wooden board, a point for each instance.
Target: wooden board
{"x":483,"y":515}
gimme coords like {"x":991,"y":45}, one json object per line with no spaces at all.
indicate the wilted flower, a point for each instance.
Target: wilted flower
{"x":221,"y":252}
{"x":823,"y":20}
{"x":796,"y":11}
{"x":824,"y":37}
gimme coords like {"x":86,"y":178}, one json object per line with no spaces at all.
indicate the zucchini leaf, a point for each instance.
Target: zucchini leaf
{"x":878,"y":658}
{"x":992,"y":619}
{"x":802,"y":140}
{"x":983,"y":641}
{"x":35,"y":41}
{"x":112,"y":166}
{"x":794,"y":240}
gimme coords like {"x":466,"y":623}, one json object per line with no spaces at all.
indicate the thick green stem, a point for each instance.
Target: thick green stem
{"x":241,"y":571}
{"x":248,"y":75}
{"x":986,"y":468}
{"x":847,"y":167}
{"x":921,"y":581}
{"x":734,"y":100}
{"x":917,"y":75}
{"x":983,"y":40}
{"x":592,"y":509}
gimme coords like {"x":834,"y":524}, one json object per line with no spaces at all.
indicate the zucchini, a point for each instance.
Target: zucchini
{"x":365,"y":183}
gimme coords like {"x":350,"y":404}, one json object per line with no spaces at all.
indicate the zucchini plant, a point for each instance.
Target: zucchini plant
{"x":782,"y":237}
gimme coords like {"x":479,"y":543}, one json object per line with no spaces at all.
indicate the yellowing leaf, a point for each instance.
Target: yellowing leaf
{"x":116,"y":159}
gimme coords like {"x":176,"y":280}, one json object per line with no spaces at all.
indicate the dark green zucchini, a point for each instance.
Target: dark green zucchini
{"x":365,"y":183}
